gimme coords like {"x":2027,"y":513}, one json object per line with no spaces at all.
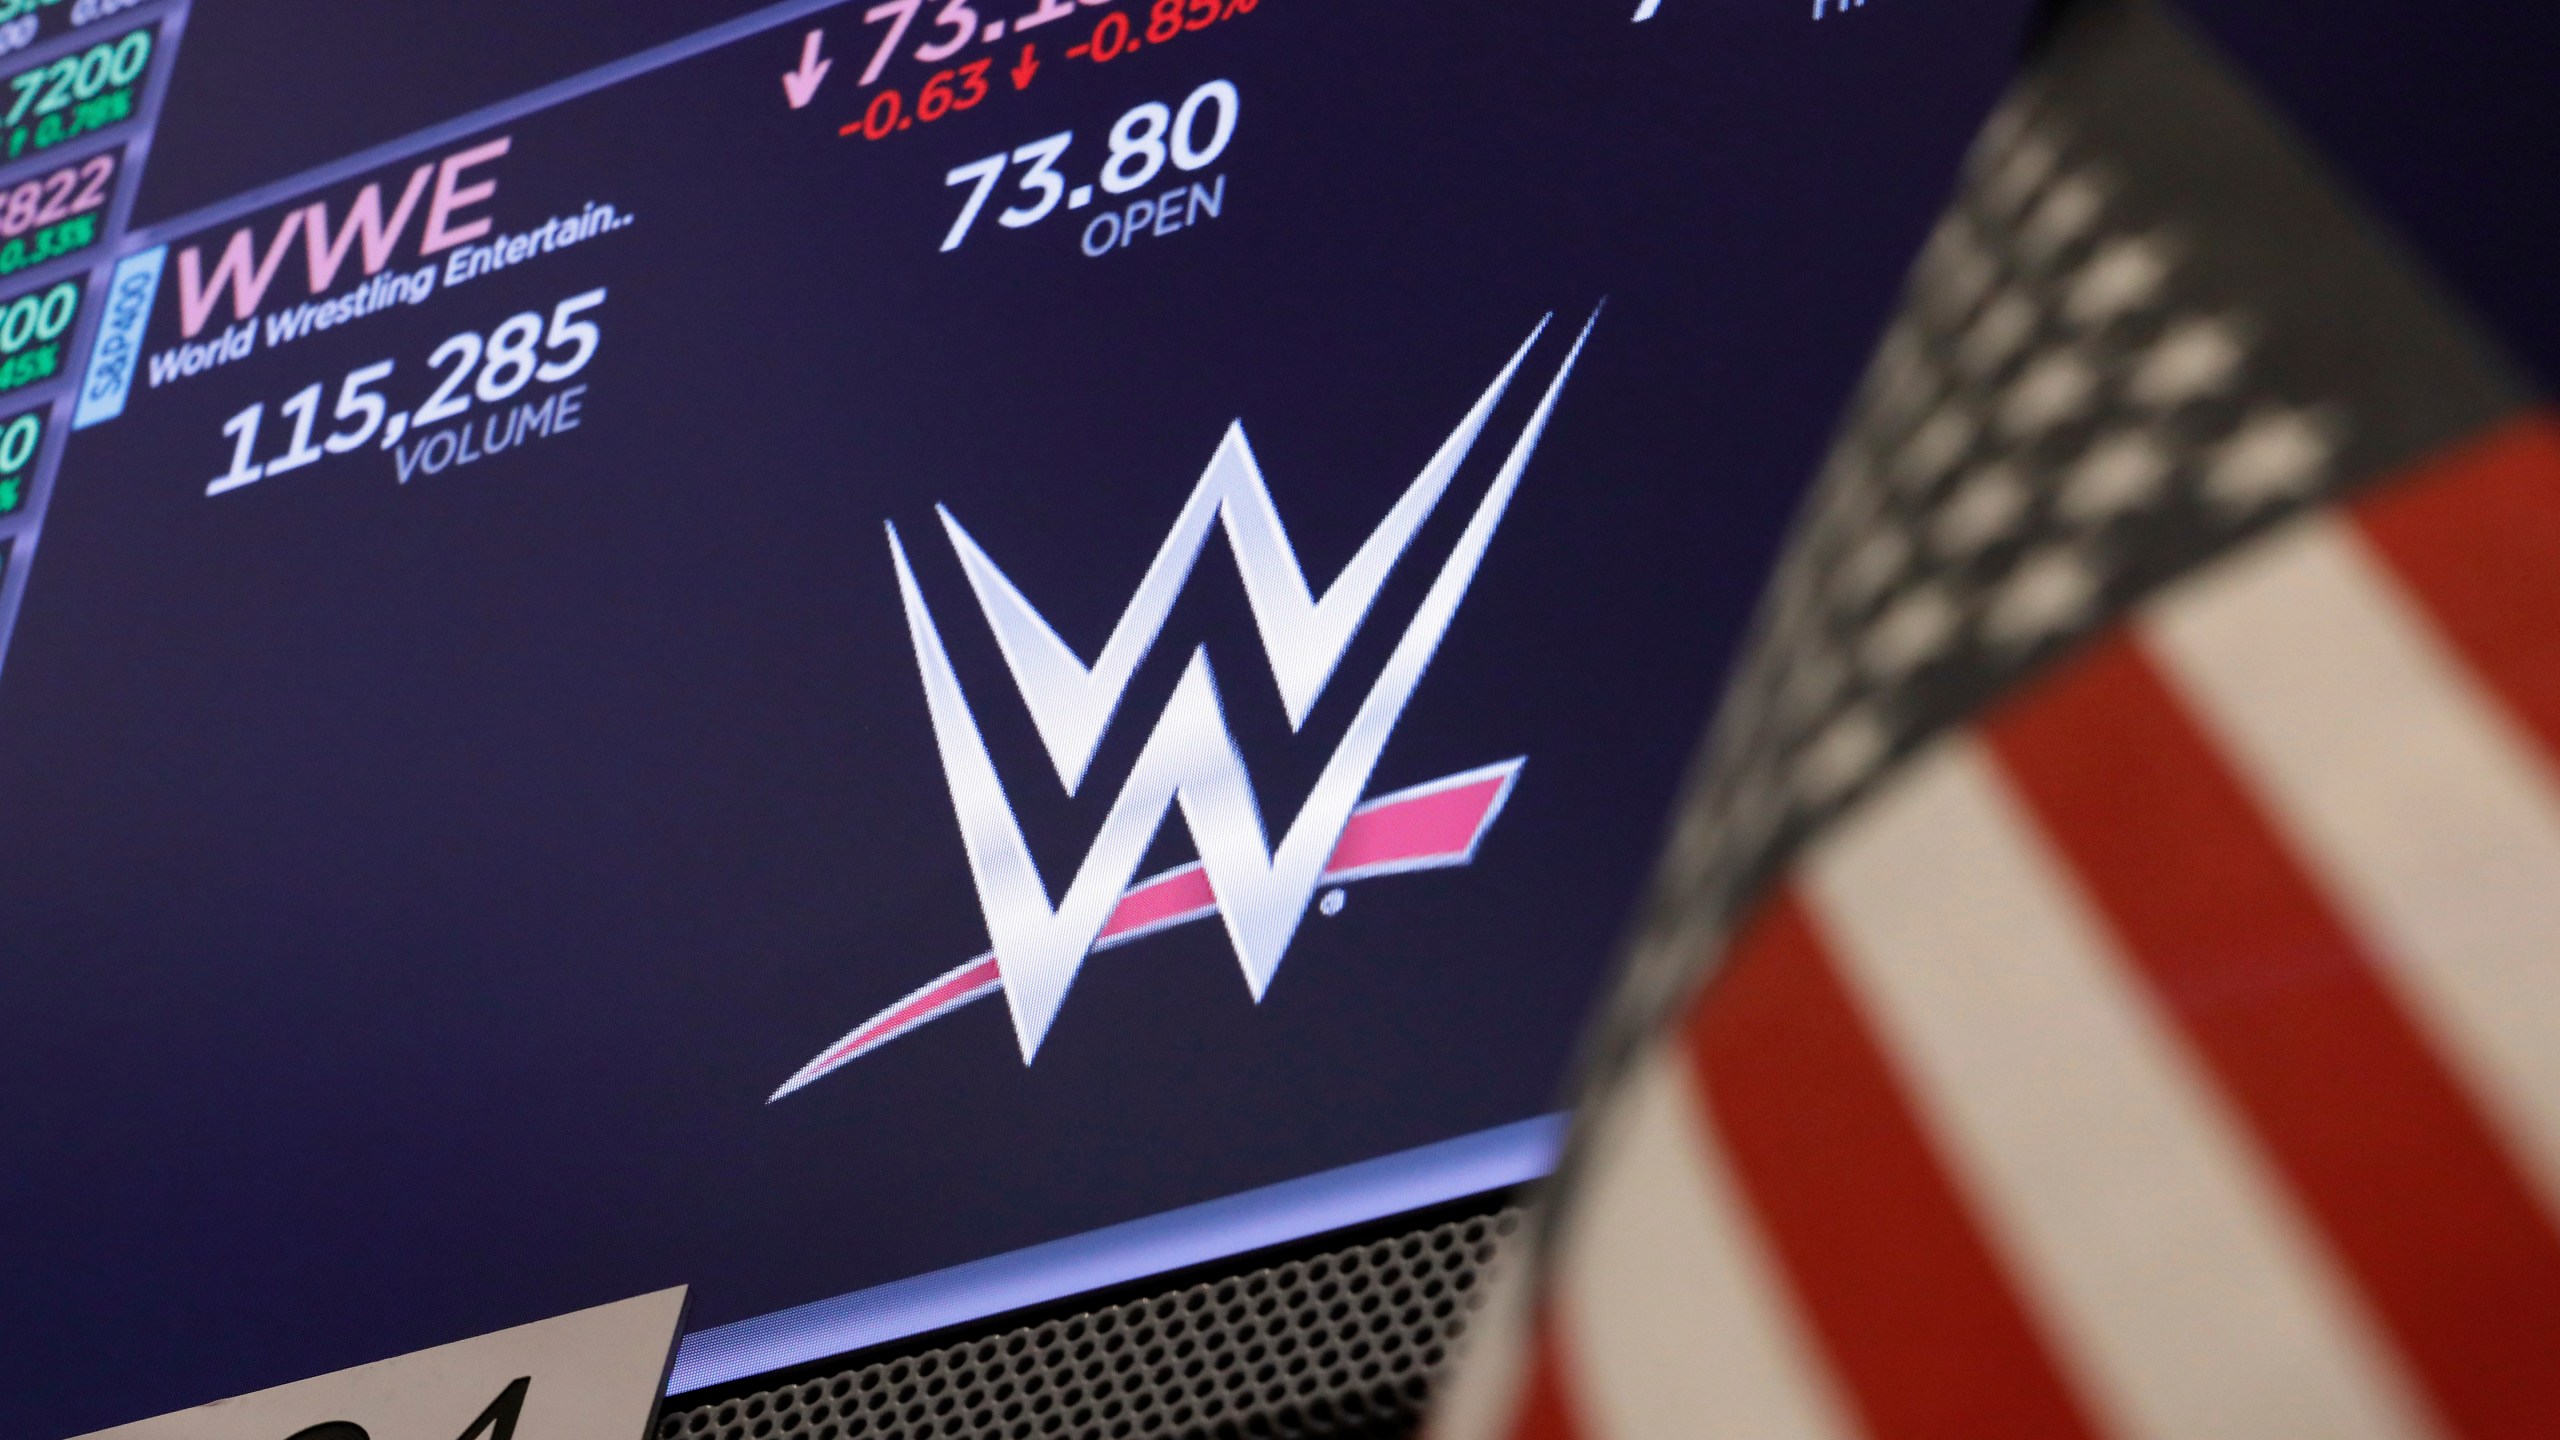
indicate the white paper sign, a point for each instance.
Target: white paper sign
{"x":593,"y":1375}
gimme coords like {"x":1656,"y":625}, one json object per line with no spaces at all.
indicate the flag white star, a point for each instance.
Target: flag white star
{"x":1846,"y":752}
{"x":2066,"y":213}
{"x":1849,"y":497}
{"x":2057,"y":387}
{"x":1846,"y":473}
{"x":2050,"y":591}
{"x":1997,"y":333}
{"x":1870,"y":566}
{"x":2002,"y":130}
{"x":1914,"y":630}
{"x":1905,"y":377}
{"x":2277,"y":454}
{"x":1956,"y":270}
{"x":2194,"y":359}
{"x":1797,"y":607}
{"x":2120,"y":474}
{"x":2123,"y":276}
{"x":1936,"y":446}
{"x":1984,"y":508}
{"x":2029,"y":163}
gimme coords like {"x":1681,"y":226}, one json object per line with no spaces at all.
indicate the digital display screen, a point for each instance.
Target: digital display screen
{"x":787,"y":649}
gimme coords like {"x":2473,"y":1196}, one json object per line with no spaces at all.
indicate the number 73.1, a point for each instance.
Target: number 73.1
{"x":512,"y":365}
{"x":956,"y":17}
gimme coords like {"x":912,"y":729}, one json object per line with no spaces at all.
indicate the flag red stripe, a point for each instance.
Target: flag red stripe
{"x":1910,"y":1305}
{"x":2376,"y":1137}
{"x":1544,"y":1409}
{"x":2476,"y":534}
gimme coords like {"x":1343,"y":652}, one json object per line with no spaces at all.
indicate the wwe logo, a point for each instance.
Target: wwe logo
{"x":1259,"y":891}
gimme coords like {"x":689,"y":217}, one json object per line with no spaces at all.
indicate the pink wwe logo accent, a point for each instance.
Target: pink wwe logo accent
{"x":1432,"y":826}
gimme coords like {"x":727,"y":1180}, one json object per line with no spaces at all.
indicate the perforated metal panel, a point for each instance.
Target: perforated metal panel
{"x":1349,"y":1340}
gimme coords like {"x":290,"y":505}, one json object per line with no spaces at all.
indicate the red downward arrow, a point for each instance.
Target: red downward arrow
{"x":1025,"y":68}
{"x":799,"y":86}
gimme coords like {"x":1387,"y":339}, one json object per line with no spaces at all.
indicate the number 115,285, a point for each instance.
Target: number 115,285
{"x":509,"y":351}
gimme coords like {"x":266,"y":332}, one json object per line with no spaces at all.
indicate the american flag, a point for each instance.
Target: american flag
{"x":2105,"y":977}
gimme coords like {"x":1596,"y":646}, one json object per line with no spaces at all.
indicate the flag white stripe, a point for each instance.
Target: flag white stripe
{"x":2431,"y":819}
{"x":1669,"y":1308}
{"x":2173,"y":1276}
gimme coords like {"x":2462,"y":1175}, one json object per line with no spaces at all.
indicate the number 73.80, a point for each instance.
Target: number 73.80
{"x":1142,"y":139}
